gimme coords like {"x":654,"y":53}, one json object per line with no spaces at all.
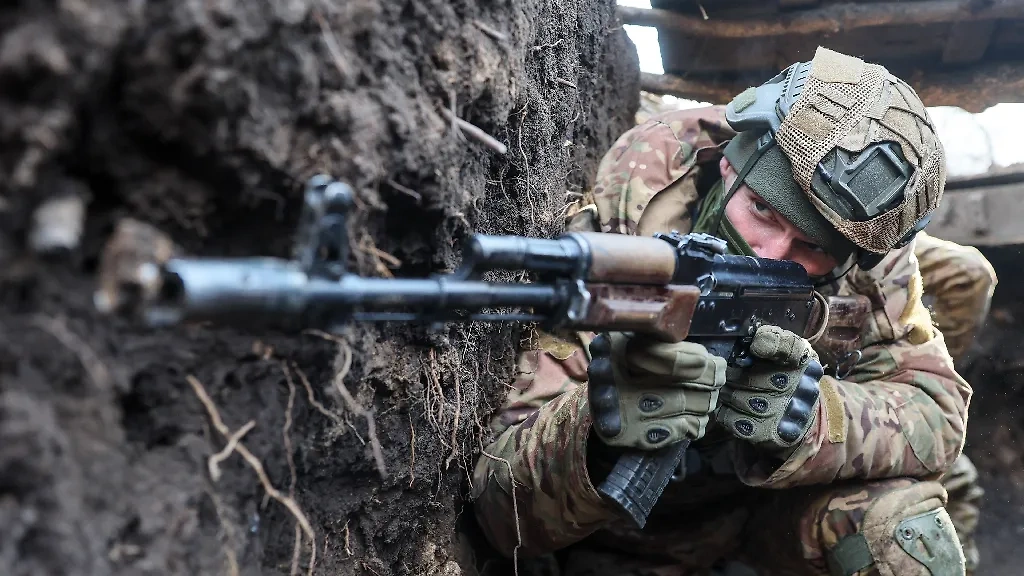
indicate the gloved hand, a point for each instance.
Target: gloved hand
{"x":647,"y":394}
{"x":773,"y":403}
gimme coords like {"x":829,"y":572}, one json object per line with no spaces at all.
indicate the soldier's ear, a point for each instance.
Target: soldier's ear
{"x":725,"y":167}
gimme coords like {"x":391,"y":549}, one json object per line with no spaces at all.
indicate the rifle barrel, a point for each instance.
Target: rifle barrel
{"x":274,"y":291}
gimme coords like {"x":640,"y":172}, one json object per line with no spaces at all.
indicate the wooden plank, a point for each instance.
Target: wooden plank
{"x":973,"y":89}
{"x":828,"y":19}
{"x":986,"y":216}
{"x":700,"y":90}
{"x":967,"y":41}
{"x":997,"y":176}
{"x":1007,"y":42}
{"x":688,"y":55}
{"x":791,"y":4}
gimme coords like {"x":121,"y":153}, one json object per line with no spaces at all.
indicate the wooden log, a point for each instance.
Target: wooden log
{"x":973,"y":89}
{"x":985,"y":216}
{"x":715,"y":92}
{"x":825,"y":20}
{"x":982,"y":210}
{"x":997,"y":176}
{"x":967,"y":41}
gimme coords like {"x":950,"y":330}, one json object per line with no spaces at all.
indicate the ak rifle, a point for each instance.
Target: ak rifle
{"x":671,"y":286}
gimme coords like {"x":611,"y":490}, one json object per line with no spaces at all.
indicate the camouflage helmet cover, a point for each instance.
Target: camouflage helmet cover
{"x":860,"y":145}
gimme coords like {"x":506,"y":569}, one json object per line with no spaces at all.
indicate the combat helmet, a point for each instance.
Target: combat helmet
{"x":844,"y":150}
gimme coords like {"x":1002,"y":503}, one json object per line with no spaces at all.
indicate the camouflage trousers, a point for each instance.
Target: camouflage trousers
{"x":761,"y":533}
{"x":961,"y":484}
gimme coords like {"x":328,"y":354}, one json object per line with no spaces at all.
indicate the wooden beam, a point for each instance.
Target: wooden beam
{"x":997,"y":176}
{"x":791,"y":4}
{"x":827,"y":19}
{"x":715,"y":92}
{"x":967,"y":41}
{"x":986,"y":216}
{"x":973,"y":89}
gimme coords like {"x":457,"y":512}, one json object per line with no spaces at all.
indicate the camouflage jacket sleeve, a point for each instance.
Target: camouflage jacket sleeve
{"x":642,"y":176}
{"x":903,"y":409}
{"x":958,"y":286}
{"x":531,"y":488}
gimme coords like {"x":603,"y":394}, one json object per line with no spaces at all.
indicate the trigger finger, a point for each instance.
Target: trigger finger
{"x":771,"y":382}
{"x":780,"y":345}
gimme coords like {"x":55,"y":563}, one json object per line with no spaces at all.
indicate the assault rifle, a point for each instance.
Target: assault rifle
{"x":671,"y":286}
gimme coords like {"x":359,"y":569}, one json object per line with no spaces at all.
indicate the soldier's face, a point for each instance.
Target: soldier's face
{"x":769,"y":233}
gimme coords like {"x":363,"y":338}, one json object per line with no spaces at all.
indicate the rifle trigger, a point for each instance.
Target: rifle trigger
{"x":844,"y":366}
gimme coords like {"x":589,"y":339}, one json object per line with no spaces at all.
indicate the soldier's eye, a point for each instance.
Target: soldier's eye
{"x":814,"y":247}
{"x":762,"y":207}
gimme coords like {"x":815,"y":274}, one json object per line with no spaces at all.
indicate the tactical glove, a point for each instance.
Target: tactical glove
{"x":646,"y":394}
{"x":772,"y":405}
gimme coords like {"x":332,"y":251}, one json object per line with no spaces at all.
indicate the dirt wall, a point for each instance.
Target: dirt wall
{"x":204,"y":119}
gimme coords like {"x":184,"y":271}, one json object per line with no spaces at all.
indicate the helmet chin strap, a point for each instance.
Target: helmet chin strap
{"x":835,"y":275}
{"x":711,"y":219}
{"x":737,"y":244}
{"x":764,"y":143}
{"x":722,"y":227}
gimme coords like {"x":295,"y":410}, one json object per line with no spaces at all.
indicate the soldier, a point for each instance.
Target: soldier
{"x":834,"y":164}
{"x":958,"y":286}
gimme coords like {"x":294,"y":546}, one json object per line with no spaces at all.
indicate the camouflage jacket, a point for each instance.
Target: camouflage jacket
{"x":902,"y":410}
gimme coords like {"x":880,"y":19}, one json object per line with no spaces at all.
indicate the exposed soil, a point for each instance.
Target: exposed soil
{"x":204,"y":119}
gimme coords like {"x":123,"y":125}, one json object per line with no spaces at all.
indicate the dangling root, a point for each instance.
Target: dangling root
{"x":285,"y":431}
{"x":353,"y":406}
{"x":455,"y":425}
{"x":257,"y":467}
{"x":515,"y":509}
{"x":214,"y":462}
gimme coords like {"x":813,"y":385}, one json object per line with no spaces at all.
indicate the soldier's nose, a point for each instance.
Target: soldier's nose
{"x":776,"y":249}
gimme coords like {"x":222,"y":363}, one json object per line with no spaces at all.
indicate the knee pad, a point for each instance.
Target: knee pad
{"x":905,"y":532}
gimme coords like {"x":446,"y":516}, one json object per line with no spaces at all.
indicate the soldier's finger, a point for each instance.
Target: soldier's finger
{"x":683,"y":360}
{"x":742,"y":425}
{"x":675,"y":403}
{"x":780,"y":345}
{"x":603,"y":396}
{"x":601,"y":345}
{"x":758,"y":404}
{"x":659,"y":433}
{"x":767,"y":382}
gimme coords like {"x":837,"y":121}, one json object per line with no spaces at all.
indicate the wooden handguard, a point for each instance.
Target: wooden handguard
{"x":663,"y":312}
{"x":615,"y":258}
